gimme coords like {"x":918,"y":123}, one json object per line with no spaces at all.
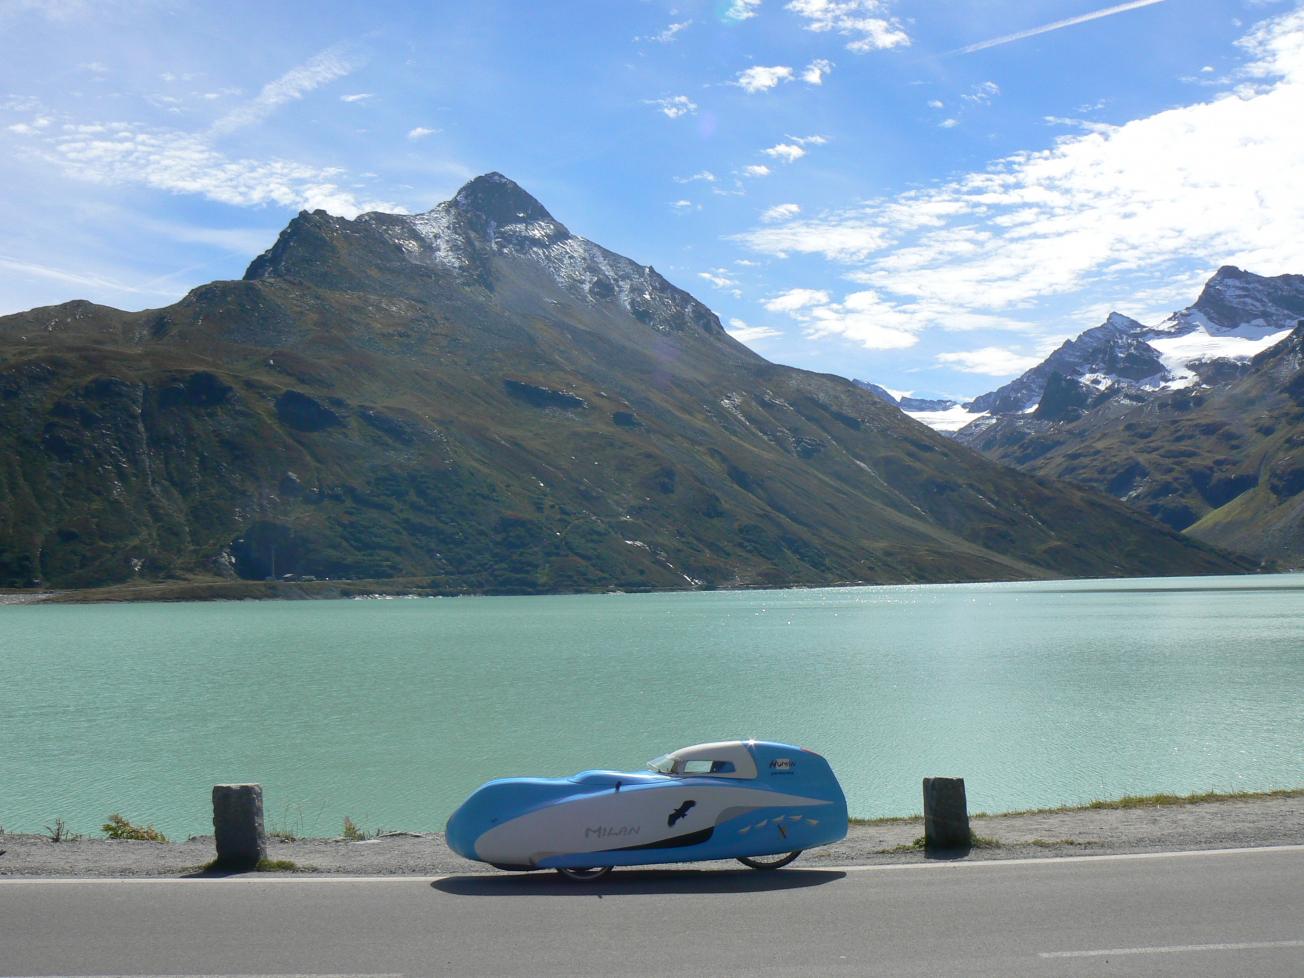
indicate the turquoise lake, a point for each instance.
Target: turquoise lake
{"x":392,"y":711}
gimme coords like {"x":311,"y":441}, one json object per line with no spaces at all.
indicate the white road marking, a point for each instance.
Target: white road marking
{"x":1174,"y":949}
{"x":1050,"y":860}
{"x":932,"y":866}
{"x":256,"y":878}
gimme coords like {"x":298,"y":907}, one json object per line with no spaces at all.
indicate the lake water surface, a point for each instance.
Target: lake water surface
{"x":391,"y":712}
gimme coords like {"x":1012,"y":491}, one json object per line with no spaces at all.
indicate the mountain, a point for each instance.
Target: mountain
{"x":1237,"y":316}
{"x":938,"y":413}
{"x":1113,"y":352}
{"x":480,"y":400}
{"x":1224,"y":464}
{"x":905,"y":402}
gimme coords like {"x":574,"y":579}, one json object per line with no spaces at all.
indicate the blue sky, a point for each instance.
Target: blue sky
{"x":931,"y":196}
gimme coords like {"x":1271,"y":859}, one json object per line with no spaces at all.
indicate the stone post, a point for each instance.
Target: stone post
{"x":946,"y":814}
{"x":238,"y":825}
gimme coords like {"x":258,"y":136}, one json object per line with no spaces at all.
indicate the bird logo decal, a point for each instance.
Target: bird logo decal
{"x":679,"y":812}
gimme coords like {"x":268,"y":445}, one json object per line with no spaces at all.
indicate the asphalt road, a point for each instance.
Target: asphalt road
{"x":1215,"y":913}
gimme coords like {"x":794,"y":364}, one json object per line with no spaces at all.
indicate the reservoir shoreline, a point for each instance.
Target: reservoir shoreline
{"x":221,"y":589}
{"x":1232,"y":823}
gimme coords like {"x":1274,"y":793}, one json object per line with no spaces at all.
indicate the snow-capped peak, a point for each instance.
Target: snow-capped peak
{"x":493,"y":216}
{"x":1239,"y":303}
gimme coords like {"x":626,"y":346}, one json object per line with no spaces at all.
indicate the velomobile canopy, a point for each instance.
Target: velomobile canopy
{"x":726,"y":759}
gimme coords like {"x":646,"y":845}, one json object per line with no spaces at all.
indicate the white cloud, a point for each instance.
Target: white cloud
{"x":333,"y":63}
{"x":866,"y":22}
{"x":719,"y":278}
{"x":20,"y":103}
{"x":787,"y":152}
{"x":874,"y":322}
{"x":743,"y":333}
{"x":814,"y":73}
{"x":80,"y":279}
{"x":809,"y":140}
{"x":1084,"y":124}
{"x":756,"y":170}
{"x":357,"y":97}
{"x":984,"y":93}
{"x":420,"y":132}
{"x":1197,"y":186}
{"x":781,"y":212}
{"x":865,"y":319}
{"x":117,"y":153}
{"x":948,"y":123}
{"x":795,"y":299}
{"x":861,"y":317}
{"x":706,"y":176}
{"x":840,"y":238}
{"x":667,"y":35}
{"x":761,"y":78}
{"x":990,"y":361}
{"x":936,"y":103}
{"x":684,"y":206}
{"x":674,"y":106}
{"x":740,"y":10}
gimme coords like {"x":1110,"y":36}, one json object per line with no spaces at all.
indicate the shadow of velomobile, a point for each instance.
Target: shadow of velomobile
{"x":636,"y":882}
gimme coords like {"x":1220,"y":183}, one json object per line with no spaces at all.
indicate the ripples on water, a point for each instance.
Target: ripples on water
{"x":392,"y":711}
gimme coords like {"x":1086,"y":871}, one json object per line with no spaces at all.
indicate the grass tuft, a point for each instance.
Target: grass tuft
{"x":894,"y":820}
{"x":59,"y":832}
{"x":262,"y":866}
{"x":276,"y":866}
{"x":352,"y":832}
{"x":118,"y":827}
{"x":921,"y":844}
{"x":916,"y":846}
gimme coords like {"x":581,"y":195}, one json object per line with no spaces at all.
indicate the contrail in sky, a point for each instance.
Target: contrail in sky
{"x":1069,"y":22}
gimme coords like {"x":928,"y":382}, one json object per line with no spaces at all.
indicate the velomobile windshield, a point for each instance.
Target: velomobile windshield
{"x":665,"y":764}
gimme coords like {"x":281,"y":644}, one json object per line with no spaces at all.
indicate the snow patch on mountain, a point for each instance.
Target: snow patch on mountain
{"x":952,"y":419}
{"x":1179,"y":352}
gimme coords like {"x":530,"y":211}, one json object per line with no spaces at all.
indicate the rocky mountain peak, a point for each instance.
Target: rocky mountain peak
{"x":493,"y":200}
{"x":1234,"y":299}
{"x":1117,"y":322}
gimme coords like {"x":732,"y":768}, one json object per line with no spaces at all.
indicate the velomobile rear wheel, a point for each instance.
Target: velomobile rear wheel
{"x":588,"y":873}
{"x":769,"y":862}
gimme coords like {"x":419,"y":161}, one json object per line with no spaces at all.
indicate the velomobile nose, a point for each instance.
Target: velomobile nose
{"x":460,"y":833}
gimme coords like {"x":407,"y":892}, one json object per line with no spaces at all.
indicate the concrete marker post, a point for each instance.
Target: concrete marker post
{"x":946,"y":814}
{"x":238,"y":830}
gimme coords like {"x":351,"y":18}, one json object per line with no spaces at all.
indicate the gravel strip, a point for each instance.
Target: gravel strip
{"x":1211,"y":825}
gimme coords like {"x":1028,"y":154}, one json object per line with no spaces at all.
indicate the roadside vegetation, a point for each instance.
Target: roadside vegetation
{"x":351,"y":831}
{"x":58,"y":832}
{"x":1156,"y":801}
{"x":1127,"y":801}
{"x":262,"y":866}
{"x":118,"y":827}
{"x":975,"y":842}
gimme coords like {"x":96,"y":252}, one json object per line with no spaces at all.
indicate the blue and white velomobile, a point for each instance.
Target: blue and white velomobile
{"x":758,"y":802}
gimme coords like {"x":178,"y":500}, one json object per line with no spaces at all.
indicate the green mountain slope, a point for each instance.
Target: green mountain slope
{"x":476,"y":397}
